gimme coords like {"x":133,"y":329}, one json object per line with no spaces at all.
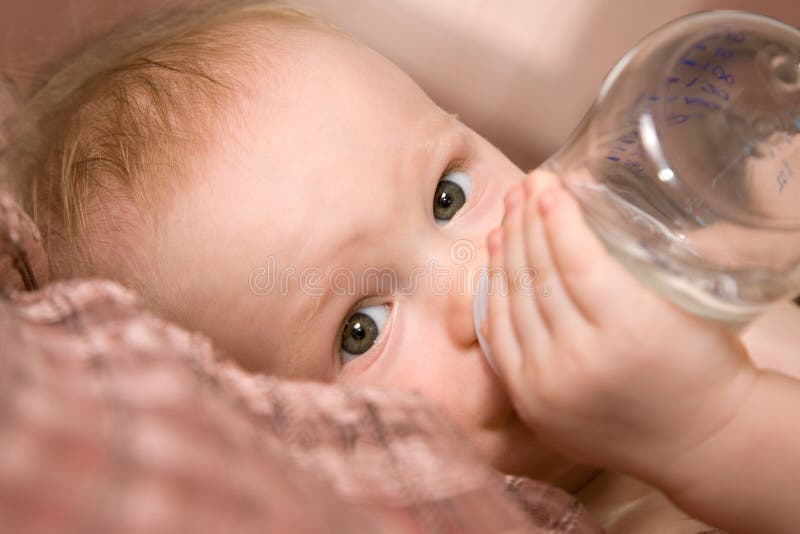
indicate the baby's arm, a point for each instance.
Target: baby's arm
{"x":746,"y":476}
{"x":614,"y":375}
{"x":773,"y":338}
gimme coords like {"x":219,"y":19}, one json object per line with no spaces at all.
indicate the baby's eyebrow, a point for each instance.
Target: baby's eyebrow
{"x":313,"y":307}
{"x":438,"y":126}
{"x":311,"y":314}
{"x":306,"y":316}
{"x":307,"y":313}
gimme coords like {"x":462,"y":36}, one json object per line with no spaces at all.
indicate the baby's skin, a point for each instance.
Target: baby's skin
{"x":334,"y":168}
{"x":335,"y":163}
{"x":611,"y":374}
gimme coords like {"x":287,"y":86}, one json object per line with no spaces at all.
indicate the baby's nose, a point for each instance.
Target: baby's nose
{"x":466,"y":260}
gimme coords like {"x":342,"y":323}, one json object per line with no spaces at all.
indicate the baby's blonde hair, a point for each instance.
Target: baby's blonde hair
{"x":120,"y":121}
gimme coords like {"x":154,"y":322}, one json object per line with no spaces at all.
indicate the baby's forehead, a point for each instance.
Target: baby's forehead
{"x":326,"y":160}
{"x":333,"y":128}
{"x":348,"y":74}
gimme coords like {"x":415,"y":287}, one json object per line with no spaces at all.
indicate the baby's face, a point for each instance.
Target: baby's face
{"x":340,"y":166}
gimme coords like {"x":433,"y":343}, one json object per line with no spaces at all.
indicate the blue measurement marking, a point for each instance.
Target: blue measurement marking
{"x":689,"y":100}
{"x":613,"y":158}
{"x":673,"y":79}
{"x":797,"y":122}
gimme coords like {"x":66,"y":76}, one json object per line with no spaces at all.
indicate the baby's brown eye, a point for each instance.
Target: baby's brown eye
{"x":361,"y":331}
{"x":451,"y":195}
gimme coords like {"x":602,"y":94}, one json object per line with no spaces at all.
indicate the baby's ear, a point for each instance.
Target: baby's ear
{"x":23,"y":263}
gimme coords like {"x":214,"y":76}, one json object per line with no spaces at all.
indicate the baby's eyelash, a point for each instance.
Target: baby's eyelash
{"x":373,"y":351}
{"x":454,"y":165}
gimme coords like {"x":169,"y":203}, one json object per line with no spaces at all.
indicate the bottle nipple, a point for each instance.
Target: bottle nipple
{"x":480,"y":311}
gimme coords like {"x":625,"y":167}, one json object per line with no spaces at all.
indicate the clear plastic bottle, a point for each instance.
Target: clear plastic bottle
{"x":688,"y":165}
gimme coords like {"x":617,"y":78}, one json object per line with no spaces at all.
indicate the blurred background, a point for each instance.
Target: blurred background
{"x":520,"y":72}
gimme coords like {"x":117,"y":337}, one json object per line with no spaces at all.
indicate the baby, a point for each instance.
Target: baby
{"x":259,"y":176}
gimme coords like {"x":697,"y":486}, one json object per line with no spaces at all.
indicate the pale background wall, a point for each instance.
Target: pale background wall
{"x":521,"y":72}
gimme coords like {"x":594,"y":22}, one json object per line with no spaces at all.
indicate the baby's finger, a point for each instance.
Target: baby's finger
{"x":503,"y":344}
{"x":587,"y":269}
{"x":554,"y":302}
{"x":525,"y":316}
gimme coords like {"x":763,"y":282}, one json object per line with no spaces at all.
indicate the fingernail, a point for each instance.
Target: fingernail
{"x":495,"y":239}
{"x":512,"y":199}
{"x":527,"y":185}
{"x":546,"y":201}
{"x":515,"y":195}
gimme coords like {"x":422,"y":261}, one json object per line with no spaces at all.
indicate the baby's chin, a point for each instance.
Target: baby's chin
{"x":516,"y":450}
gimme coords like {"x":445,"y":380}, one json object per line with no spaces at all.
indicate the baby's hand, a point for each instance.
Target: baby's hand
{"x":603,"y":368}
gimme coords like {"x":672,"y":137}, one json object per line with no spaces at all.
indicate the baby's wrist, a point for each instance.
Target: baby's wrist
{"x":758,"y":446}
{"x":705,"y":436}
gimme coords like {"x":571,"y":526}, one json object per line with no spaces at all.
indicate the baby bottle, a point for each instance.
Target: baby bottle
{"x":687,"y":167}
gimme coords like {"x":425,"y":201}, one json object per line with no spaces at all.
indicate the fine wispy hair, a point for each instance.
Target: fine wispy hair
{"x":102,"y":143}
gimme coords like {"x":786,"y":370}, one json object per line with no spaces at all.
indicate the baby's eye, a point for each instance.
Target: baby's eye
{"x":361,"y":330}
{"x":451,"y":195}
